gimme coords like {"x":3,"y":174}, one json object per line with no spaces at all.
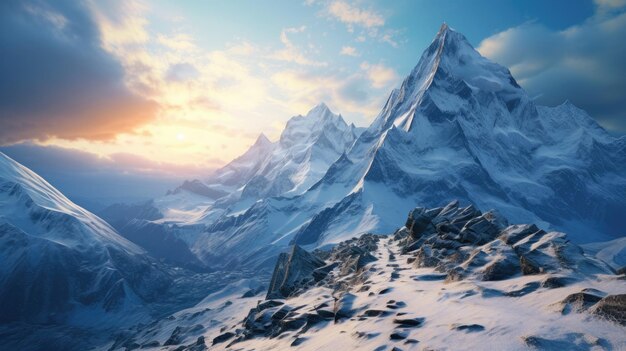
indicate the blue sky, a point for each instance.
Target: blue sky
{"x":412,"y":22}
{"x":167,"y":90}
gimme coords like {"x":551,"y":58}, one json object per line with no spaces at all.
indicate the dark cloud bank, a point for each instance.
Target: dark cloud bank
{"x":56,"y":80}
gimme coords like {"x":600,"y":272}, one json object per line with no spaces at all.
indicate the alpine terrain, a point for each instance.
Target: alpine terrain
{"x":517,"y":243}
{"x":458,"y":127}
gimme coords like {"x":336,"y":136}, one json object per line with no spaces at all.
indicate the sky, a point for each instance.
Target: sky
{"x":147,"y":93}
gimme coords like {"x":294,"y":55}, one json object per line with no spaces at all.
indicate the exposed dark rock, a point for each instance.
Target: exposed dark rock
{"x":268,"y":304}
{"x":299,"y":341}
{"x":554,"y":282}
{"x":580,"y":301}
{"x":375,"y":313}
{"x":409,"y":322}
{"x":222,"y":338}
{"x":398,"y":335}
{"x":364,"y":335}
{"x":293,"y":271}
{"x":419,"y":221}
{"x":529,"y":266}
{"x":612,"y":307}
{"x":500,"y":269}
{"x":384,"y":291}
{"x":468,"y":328}
{"x":175,"y":337}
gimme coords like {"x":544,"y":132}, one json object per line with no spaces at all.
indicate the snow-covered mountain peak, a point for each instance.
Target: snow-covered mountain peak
{"x":261,"y":141}
{"x":308,"y":129}
{"x":320,"y":110}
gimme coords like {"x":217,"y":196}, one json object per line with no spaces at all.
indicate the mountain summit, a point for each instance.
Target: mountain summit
{"x":459,"y":127}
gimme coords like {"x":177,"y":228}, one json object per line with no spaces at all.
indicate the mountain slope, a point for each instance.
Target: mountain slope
{"x":451,"y":278}
{"x":459,"y":126}
{"x":58,"y":259}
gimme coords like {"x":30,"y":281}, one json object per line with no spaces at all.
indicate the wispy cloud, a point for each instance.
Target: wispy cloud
{"x":379,"y":74}
{"x":291,"y":52}
{"x":352,"y":15}
{"x":349,"y":51}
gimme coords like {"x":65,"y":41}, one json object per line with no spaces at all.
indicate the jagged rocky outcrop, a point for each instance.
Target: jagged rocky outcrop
{"x":452,"y":275}
{"x":293,"y":270}
{"x":461,"y":244}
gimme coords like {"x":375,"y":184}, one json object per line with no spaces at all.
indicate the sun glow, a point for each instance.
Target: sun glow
{"x":180,"y":137}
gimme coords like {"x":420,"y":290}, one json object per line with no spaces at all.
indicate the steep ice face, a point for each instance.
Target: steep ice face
{"x":447,"y":74}
{"x":22,"y":188}
{"x":461,"y":126}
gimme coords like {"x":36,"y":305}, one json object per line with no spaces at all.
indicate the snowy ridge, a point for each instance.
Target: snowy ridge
{"x":452,"y":277}
{"x":20,"y":184}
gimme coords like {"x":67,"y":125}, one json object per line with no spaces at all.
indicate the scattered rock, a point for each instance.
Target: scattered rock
{"x":409,"y":322}
{"x":222,"y":338}
{"x":398,"y":335}
{"x":298,"y":341}
{"x":612,"y":307}
{"x":580,"y":301}
{"x":468,"y":328}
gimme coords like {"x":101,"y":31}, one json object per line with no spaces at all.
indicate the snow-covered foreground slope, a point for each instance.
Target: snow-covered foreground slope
{"x":452,"y":279}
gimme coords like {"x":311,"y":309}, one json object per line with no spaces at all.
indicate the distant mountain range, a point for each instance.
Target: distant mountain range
{"x":459,"y":127}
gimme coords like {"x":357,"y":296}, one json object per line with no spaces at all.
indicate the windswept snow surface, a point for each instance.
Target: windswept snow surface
{"x":425,"y":287}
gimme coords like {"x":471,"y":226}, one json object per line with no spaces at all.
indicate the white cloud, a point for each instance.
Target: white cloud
{"x":352,"y":15}
{"x":349,"y":51}
{"x":291,"y":53}
{"x":379,"y":75}
{"x":583,"y":63}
